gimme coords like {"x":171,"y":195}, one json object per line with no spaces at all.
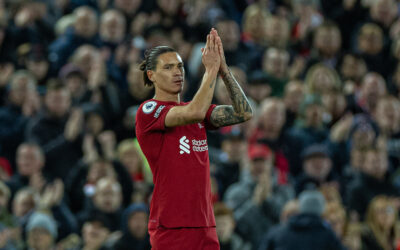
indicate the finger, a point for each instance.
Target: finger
{"x":212,"y":43}
{"x":220,"y":48}
{"x":214,"y":31}
{"x":208,"y":41}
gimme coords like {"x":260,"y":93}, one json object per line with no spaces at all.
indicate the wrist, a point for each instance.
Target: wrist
{"x":211,"y":71}
{"x":224,"y":68}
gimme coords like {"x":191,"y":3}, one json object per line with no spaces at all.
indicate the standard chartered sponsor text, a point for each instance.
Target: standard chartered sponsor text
{"x":199,"y":145}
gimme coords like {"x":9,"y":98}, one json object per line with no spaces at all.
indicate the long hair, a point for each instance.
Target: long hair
{"x":372,"y":222}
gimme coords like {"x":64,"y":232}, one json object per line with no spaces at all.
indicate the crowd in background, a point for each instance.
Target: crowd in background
{"x":316,"y":168}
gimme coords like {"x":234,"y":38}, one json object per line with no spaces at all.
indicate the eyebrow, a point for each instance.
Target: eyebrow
{"x":173,"y":64}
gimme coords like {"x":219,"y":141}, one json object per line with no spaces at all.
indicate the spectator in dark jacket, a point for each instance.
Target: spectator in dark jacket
{"x":310,"y":126}
{"x":21,"y":104}
{"x":83,"y":178}
{"x":58,"y":131}
{"x":107,"y":200}
{"x":270,"y":131}
{"x":305,"y":231}
{"x":95,"y":232}
{"x":225,"y":223}
{"x":30,"y":162}
{"x":134,"y":229}
{"x":83,"y":32}
{"x":373,"y":87}
{"x":373,"y":180}
{"x":258,"y":197}
{"x":237,"y":53}
{"x":317,"y":168}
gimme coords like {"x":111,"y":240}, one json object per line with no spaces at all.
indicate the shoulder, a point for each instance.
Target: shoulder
{"x":150,"y":108}
{"x":151,"y":113}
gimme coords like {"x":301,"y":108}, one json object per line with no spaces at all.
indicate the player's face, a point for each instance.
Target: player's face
{"x":169,"y":75}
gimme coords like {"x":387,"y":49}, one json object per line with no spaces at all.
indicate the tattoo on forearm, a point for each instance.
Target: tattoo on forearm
{"x":224,"y":115}
{"x":212,"y":83}
{"x":239,"y":111}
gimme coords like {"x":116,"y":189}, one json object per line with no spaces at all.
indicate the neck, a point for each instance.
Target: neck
{"x":166,"y":97}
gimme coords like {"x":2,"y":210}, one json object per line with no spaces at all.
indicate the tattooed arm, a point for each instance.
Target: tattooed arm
{"x":240,"y":110}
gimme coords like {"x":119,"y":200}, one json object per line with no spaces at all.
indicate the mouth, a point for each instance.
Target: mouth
{"x":179,"y":82}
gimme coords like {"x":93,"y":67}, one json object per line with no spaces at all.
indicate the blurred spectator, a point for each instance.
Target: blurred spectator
{"x":270,"y":131}
{"x":41,"y":231}
{"x":383,"y":12}
{"x":81,"y":184}
{"x":231,"y":160}
{"x":237,"y":53}
{"x":52,"y":199}
{"x":293,"y":97}
{"x":317,"y":169}
{"x":380,"y":229}
{"x":83,"y":32}
{"x":129,"y":156}
{"x":373,"y":87}
{"x":24,"y":203}
{"x":370,"y":44}
{"x":352,"y":237}
{"x":30,"y":163}
{"x":306,"y":230}
{"x":257,"y":198}
{"x":277,"y":31}
{"x":254,"y":24}
{"x":335,"y":107}
{"x":136,"y":93}
{"x":29,"y":24}
{"x":373,"y":180}
{"x":307,"y":18}
{"x":129,"y":8}
{"x":327,"y":43}
{"x":57,"y":130}
{"x":259,"y":86}
{"x":37,"y":64}
{"x":112,"y":30}
{"x":96,"y":232}
{"x":75,"y":81}
{"x":22,"y":103}
{"x":134,"y":227}
{"x":101,"y":91}
{"x":10,"y":229}
{"x":352,"y":68}
{"x":321,"y":80}
{"x":335,"y":215}
{"x":275,"y":64}
{"x":310,"y":125}
{"x":225,"y":222}
{"x":387,"y":116}
{"x":106,"y":200}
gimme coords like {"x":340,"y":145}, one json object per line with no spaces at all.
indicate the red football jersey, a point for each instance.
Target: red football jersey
{"x":178,"y":158}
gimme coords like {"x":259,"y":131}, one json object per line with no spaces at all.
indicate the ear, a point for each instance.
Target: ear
{"x":150,"y":75}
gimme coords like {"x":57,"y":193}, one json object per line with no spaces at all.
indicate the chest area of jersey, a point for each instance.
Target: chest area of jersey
{"x":189,"y":139}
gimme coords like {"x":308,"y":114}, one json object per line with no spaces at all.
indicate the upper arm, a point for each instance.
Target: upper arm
{"x":182,"y":115}
{"x":224,"y":115}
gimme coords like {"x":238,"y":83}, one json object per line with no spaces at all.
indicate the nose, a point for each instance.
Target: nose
{"x":178,"y":71}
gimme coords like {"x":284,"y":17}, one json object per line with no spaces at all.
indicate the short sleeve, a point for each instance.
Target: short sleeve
{"x":207,"y":120}
{"x":151,"y":116}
